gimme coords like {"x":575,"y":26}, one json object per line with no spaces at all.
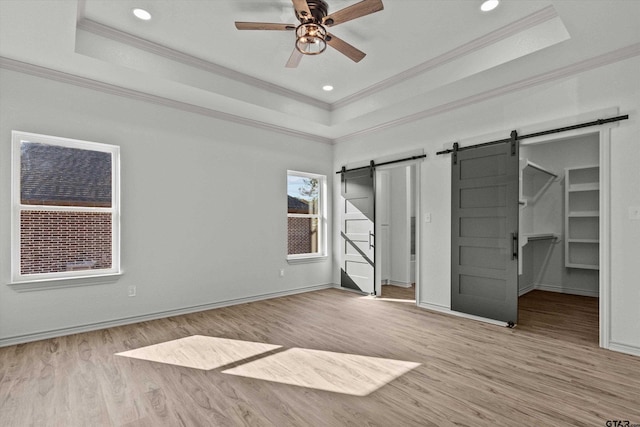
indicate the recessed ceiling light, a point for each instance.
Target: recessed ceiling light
{"x":327,"y":88}
{"x":488,"y":5}
{"x":141,"y":14}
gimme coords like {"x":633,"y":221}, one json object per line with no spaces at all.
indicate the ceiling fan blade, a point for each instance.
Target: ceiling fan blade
{"x":365,"y":7}
{"x":345,"y":48}
{"x":264,"y":26}
{"x":294,"y":59}
{"x":302,"y":9}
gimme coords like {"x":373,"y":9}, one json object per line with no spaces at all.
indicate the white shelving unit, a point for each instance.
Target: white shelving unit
{"x":582,"y":217}
{"x":534,"y":181}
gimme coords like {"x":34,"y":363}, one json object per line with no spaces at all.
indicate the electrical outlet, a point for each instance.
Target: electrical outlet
{"x":132,"y":291}
{"x":634,"y":213}
{"x":427,"y":217}
{"x":282,"y":272}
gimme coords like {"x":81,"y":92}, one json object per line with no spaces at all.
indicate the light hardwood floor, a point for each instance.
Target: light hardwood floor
{"x":469,"y":373}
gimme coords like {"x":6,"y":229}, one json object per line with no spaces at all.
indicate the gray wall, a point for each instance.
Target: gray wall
{"x":203,"y":208}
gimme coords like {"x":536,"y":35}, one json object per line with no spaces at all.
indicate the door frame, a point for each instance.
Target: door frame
{"x":604,"y":136}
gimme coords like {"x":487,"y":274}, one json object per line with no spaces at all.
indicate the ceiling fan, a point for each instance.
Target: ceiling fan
{"x":312,"y":36}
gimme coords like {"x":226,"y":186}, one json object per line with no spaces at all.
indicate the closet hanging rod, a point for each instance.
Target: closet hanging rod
{"x":541,"y":237}
{"x":546,"y":132}
{"x":373,"y":164}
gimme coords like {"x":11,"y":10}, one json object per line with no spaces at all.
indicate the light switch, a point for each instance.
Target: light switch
{"x":634,"y":213}
{"x":427,"y":217}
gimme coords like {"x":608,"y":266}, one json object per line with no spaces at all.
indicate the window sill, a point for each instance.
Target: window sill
{"x":292,"y":259}
{"x":64,"y":282}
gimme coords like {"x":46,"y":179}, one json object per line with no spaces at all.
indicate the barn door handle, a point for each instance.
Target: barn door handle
{"x":514,"y":245}
{"x":371,"y":236}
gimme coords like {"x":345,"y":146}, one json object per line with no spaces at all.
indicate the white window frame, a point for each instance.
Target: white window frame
{"x":17,"y":138}
{"x":321,"y":216}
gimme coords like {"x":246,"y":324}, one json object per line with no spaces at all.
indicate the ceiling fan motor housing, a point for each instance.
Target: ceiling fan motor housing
{"x":319,"y":10}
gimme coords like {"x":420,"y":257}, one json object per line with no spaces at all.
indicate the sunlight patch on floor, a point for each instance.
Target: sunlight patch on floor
{"x":200,"y":352}
{"x":321,"y":370}
{"x":325,"y":370}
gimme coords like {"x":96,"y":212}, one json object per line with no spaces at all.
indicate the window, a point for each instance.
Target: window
{"x":306,"y":215}
{"x":65,"y":217}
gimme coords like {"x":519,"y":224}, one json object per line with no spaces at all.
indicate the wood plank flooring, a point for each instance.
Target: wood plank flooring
{"x":571,"y":318}
{"x":469,"y":373}
{"x":398,"y":292}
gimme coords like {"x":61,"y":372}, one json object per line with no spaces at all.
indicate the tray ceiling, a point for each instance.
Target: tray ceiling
{"x":421,"y":55}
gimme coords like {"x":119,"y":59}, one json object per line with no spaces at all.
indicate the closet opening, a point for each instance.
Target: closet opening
{"x":559,"y":238}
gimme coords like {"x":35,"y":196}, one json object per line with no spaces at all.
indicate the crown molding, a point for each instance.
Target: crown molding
{"x":539,"y":79}
{"x":559,"y":73}
{"x":192,"y":61}
{"x":529,"y":21}
{"x":63,"y":77}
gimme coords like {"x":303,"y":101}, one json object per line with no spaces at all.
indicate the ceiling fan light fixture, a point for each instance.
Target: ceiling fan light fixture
{"x":311,"y":38}
{"x":489,"y":5}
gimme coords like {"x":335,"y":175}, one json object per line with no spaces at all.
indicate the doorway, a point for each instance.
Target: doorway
{"x":559,"y":278}
{"x":396,"y":212}
{"x":365,"y":192}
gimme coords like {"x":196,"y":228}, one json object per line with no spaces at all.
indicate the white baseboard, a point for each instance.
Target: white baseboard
{"x":625,"y":348}
{"x":20,"y":339}
{"x":526,"y":289}
{"x":563,"y":290}
{"x":400,"y":284}
{"x":447,"y":310}
{"x":555,"y":288}
{"x":353,"y":291}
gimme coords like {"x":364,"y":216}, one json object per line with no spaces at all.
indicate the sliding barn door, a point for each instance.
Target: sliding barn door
{"x":484,"y":226}
{"x":357,"y":231}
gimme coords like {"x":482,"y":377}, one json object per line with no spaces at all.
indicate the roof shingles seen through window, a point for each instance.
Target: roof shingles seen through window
{"x":63,"y":176}
{"x":296,"y":205}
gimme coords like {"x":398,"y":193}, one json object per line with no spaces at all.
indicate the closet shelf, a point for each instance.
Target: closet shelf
{"x":583,"y":214}
{"x":534,"y":180}
{"x":584,"y":187}
{"x":529,"y":167}
{"x":583,"y":266}
{"x":583,"y":240}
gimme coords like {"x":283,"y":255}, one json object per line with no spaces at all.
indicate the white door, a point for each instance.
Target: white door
{"x":357,"y":228}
